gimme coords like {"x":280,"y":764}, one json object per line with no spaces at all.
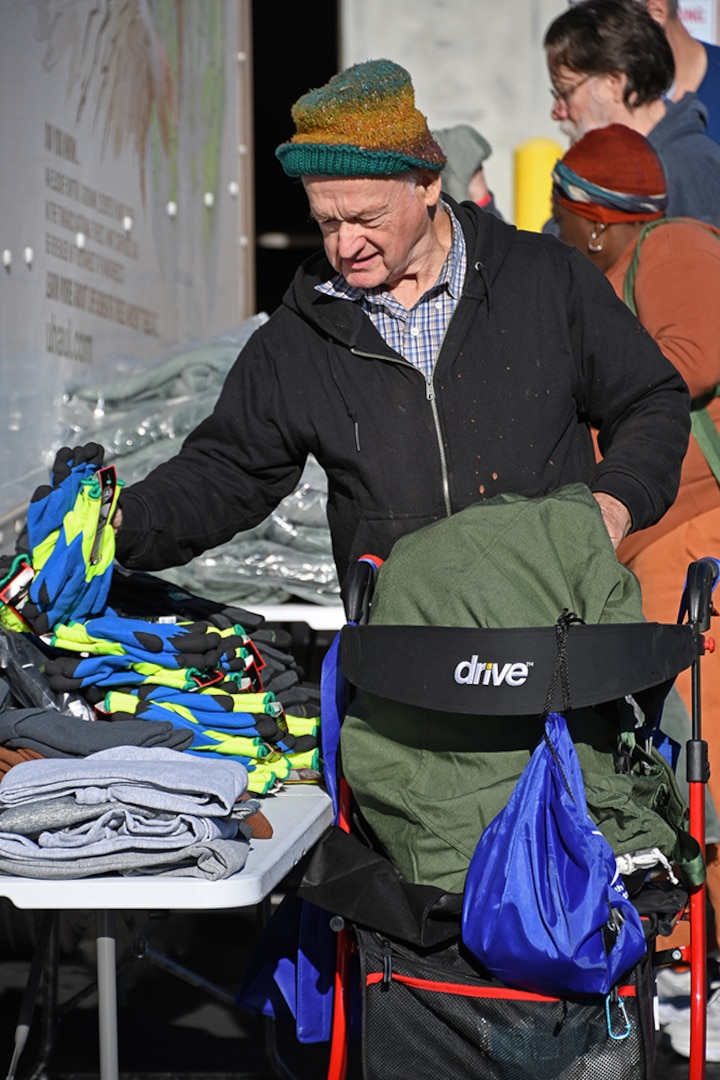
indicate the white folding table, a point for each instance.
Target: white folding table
{"x":299,"y":816}
{"x":316,"y":616}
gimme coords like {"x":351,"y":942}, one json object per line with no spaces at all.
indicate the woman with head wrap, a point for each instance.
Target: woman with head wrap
{"x":607,"y":189}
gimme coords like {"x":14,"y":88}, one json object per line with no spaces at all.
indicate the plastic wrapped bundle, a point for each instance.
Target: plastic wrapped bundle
{"x":141,"y":421}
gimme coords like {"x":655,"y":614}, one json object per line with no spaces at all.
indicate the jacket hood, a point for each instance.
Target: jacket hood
{"x":466,"y":150}
{"x":688,"y":116}
{"x":487,"y":238}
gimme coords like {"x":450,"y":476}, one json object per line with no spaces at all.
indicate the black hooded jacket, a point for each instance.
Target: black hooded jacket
{"x":538,"y":349}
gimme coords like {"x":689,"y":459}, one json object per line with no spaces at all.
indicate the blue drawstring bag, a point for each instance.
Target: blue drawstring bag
{"x":544,"y":907}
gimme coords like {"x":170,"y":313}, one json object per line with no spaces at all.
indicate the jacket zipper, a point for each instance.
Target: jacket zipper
{"x":430,"y":397}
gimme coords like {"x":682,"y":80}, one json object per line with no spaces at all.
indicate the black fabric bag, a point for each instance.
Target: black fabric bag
{"x":432,"y":1015}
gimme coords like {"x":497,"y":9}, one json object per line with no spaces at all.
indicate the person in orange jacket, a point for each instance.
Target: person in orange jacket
{"x":609,"y":200}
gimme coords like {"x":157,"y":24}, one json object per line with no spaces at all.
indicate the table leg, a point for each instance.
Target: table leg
{"x":29,"y":1000}
{"x":107,"y":994}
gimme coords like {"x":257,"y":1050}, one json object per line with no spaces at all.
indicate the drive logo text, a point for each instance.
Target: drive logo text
{"x":474,"y":672}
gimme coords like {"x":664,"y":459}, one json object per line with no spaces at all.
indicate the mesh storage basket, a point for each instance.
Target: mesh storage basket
{"x":430,"y":1016}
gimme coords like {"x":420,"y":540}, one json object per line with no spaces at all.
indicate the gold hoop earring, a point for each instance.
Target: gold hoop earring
{"x":595,"y":247}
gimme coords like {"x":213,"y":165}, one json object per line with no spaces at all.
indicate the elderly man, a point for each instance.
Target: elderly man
{"x":610,"y":63}
{"x":430,"y":358}
{"x":697,"y":63}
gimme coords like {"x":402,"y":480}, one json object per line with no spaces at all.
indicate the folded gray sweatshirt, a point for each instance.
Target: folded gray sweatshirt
{"x":152,"y":777}
{"x":212,"y":860}
{"x":55,"y":734}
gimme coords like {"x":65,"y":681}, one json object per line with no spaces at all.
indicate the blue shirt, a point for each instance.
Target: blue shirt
{"x":709,"y":90}
{"x":417,"y":334}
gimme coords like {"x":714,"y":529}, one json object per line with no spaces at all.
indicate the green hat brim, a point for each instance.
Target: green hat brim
{"x":322,"y":159}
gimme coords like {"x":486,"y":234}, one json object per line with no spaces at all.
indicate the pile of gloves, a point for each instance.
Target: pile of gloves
{"x":212,"y":676}
{"x":70,"y":542}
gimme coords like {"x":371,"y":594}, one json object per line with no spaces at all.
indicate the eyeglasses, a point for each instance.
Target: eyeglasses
{"x":565,"y":95}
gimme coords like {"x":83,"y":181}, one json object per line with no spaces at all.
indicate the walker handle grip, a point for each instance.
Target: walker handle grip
{"x":357,"y":588}
{"x":702,"y":577}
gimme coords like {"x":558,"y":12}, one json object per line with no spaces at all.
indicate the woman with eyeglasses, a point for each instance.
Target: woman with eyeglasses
{"x":609,"y":201}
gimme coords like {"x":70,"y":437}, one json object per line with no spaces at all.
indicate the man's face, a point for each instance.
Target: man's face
{"x":375,"y":231}
{"x":584,"y":102}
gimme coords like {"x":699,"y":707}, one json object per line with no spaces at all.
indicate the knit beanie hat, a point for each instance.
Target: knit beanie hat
{"x":363,"y":122}
{"x":612,"y":174}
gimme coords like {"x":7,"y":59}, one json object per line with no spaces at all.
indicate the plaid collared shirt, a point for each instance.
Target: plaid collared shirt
{"x":418,"y":334}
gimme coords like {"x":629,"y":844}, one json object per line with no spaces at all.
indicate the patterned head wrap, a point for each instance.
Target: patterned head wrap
{"x":363,"y":122}
{"x":612,"y":174}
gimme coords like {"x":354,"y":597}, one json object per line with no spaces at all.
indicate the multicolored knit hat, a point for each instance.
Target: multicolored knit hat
{"x":612,"y":174}
{"x":363,"y":122}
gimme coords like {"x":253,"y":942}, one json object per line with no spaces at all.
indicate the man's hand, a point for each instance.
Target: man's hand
{"x":117,"y":520}
{"x":615,"y":515}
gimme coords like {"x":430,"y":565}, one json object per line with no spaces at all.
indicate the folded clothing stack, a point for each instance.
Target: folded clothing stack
{"x":129,"y":810}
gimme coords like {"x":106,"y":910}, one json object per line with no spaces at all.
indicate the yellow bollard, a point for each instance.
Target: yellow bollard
{"x":534,"y":163}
